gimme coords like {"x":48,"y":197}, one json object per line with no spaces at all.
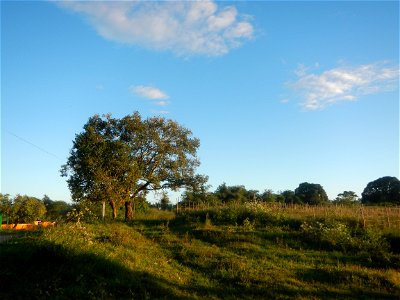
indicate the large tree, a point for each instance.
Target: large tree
{"x":382,"y":190}
{"x":311,"y":193}
{"x":117,"y":160}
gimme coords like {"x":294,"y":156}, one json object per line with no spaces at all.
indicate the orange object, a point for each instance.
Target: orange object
{"x":27,"y":226}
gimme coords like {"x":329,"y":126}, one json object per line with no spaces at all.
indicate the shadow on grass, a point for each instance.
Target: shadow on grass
{"x":353,"y":279}
{"x":226,"y":274}
{"x":31,"y":270}
{"x":235,"y":287}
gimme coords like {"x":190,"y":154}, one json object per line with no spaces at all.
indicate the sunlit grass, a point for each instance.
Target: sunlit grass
{"x":160,"y":256}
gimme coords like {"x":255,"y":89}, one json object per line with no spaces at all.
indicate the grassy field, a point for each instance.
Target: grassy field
{"x":242,"y":252}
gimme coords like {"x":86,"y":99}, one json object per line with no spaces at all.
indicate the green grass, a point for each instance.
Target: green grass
{"x":197,"y":255}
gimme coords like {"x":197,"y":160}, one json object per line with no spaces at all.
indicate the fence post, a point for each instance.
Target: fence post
{"x":362,"y":215}
{"x":387,"y":217}
{"x":103,"y":215}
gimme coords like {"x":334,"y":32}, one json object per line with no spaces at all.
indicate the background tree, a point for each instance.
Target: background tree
{"x":289,"y":197}
{"x":311,"y":193}
{"x":6,"y":206}
{"x":164,"y":201}
{"x":385,"y":190}
{"x":116,"y":160}
{"x":55,"y":210}
{"x":268,"y":196}
{"x":347,"y":198}
{"x":197,"y":191}
{"x":27,"y":209}
{"x":236,"y":193}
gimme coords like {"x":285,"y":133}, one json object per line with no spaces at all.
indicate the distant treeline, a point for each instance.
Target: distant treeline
{"x":26,"y":209}
{"x":383,"y":191}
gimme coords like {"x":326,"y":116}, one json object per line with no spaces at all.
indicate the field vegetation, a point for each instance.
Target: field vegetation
{"x":245,"y":251}
{"x":232,"y":243}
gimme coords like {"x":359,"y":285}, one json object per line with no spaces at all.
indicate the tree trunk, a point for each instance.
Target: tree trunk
{"x":128,"y":210}
{"x":114,"y":210}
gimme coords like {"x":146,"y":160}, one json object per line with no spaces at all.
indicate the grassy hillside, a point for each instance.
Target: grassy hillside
{"x":224,"y":253}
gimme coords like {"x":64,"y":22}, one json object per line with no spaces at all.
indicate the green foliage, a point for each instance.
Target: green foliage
{"x":158,"y":257}
{"x":116,"y":160}
{"x":337,"y":235}
{"x":255,"y":213}
{"x":141,"y":205}
{"x":27,"y":209}
{"x":347,"y":198}
{"x":311,"y":193}
{"x":248,"y":225}
{"x":6,"y":205}
{"x":228,"y":194}
{"x":268,"y":196}
{"x":290,"y":197}
{"x":385,"y":190}
{"x":56,"y":210}
{"x":164,"y":201}
{"x":84,"y":211}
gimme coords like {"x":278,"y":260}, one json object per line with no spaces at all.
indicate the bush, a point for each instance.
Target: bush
{"x":336,"y":235}
{"x":85,"y":211}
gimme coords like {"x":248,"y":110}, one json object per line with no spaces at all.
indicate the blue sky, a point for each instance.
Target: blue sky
{"x":278,"y":93}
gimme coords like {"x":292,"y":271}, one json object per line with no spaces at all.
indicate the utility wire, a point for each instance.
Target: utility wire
{"x":33,"y":145}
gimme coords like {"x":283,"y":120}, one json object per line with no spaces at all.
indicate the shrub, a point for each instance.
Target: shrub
{"x":336,"y":235}
{"x":84,"y":211}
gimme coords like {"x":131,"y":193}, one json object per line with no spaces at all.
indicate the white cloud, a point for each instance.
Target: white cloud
{"x":162,"y":103}
{"x":183,"y":27}
{"x":160,"y":112}
{"x":318,"y":91}
{"x":149,"y":92}
{"x":284,"y":100}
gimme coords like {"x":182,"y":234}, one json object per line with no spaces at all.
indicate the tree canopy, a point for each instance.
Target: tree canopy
{"x":384,"y":190}
{"x":55,"y":209}
{"x":311,"y":193}
{"x":347,"y":198}
{"x":117,"y":160}
{"x":26,"y":209}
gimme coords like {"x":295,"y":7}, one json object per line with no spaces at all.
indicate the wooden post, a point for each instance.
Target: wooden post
{"x":387,"y":216}
{"x":362,"y":215}
{"x":104,"y":210}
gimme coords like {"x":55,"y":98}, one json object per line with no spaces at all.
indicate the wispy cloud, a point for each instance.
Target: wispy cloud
{"x":157,"y":96}
{"x":160,"y":112}
{"x":318,"y":91}
{"x":162,"y":103}
{"x":183,"y":27}
{"x":149,"y":92}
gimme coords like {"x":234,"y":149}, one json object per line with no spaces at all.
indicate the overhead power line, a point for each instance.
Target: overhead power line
{"x":33,"y":145}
